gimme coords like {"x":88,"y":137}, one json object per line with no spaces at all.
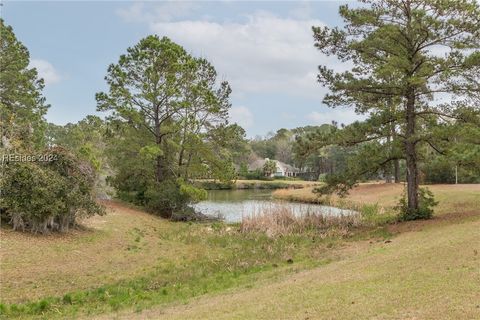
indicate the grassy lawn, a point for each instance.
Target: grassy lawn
{"x":130,"y":264}
{"x":450,"y":197}
{"x":130,"y":259}
{"x":433,"y":273}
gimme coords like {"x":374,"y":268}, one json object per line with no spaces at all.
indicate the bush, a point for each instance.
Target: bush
{"x":48,"y":196}
{"x":171,"y":196}
{"x":214,"y":185}
{"x":255,"y":175}
{"x":426,"y":202}
{"x":438,"y":171}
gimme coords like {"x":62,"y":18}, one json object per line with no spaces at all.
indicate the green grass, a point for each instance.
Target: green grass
{"x":432,"y":273}
{"x":212,"y":258}
{"x":135,"y":264}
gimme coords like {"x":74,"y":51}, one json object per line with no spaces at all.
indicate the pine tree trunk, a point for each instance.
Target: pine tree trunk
{"x":159,"y":169}
{"x":396,"y":170}
{"x":396,"y":162}
{"x":388,"y":167}
{"x":411,"y":153}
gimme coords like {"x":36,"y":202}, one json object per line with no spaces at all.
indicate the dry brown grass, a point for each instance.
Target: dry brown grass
{"x":280,"y":220}
{"x":120,"y":245}
{"x":429,"y":274}
{"x":450,"y":197}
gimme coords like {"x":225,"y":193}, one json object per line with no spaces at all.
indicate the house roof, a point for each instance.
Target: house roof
{"x":258,"y":164}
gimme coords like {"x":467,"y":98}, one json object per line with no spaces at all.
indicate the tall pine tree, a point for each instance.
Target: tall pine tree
{"x":421,"y":54}
{"x":22,"y":105}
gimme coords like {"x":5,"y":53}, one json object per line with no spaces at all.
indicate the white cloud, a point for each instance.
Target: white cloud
{"x":345,"y":116}
{"x":242,"y":116}
{"x":303,"y":11}
{"x":46,"y":71}
{"x":134,"y":13}
{"x":265,"y":53}
{"x":166,"y":11}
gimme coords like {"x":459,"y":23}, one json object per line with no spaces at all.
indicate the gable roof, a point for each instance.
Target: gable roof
{"x":258,"y":165}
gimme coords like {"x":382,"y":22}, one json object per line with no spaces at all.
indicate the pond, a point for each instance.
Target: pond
{"x":232,"y":205}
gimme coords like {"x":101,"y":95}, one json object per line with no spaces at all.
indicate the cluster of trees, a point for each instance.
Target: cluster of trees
{"x":167,"y":125}
{"x":295,"y":147}
{"x":405,"y":55}
{"x":276,"y":145}
{"x":42,"y":187}
{"x":86,"y":139}
{"x":167,"y":119}
{"x":283,"y":146}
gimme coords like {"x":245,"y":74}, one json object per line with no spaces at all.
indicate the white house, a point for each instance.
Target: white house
{"x":282,"y":169}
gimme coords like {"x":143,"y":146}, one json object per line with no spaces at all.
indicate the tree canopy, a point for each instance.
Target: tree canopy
{"x":22,"y":105}
{"x":47,"y":188}
{"x":168,"y":123}
{"x":403,"y":57}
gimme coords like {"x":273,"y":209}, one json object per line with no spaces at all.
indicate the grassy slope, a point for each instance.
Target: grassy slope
{"x":173,"y":262}
{"x":129,"y":259}
{"x":450,"y":197}
{"x":113,"y":247}
{"x":433,"y":273}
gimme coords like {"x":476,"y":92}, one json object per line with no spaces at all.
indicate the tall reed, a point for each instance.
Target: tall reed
{"x":277,"y":220}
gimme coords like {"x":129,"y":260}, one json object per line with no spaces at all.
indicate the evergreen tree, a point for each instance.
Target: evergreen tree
{"x":22,"y":106}
{"x":425,"y":48}
{"x":169,"y":124}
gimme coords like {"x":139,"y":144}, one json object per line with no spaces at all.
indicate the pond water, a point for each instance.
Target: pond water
{"x":232,"y":205}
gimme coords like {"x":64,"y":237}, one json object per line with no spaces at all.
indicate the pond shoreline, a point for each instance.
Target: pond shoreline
{"x":234,"y":205}
{"x":254,"y":184}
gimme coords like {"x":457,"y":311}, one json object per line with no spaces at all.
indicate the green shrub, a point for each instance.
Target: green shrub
{"x":255,"y":175}
{"x":322,"y":177}
{"x":48,"y":196}
{"x":214,"y":185}
{"x":426,"y":202}
{"x":172,"y":196}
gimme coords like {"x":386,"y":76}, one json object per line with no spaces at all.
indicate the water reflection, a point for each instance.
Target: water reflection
{"x":233,"y":204}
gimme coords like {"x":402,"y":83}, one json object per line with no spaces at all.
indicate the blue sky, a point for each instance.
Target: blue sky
{"x":264,"y":49}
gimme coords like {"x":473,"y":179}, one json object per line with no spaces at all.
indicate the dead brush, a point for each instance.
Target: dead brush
{"x":280,"y":220}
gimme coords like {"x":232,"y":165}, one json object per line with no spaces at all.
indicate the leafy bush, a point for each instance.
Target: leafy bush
{"x":322,"y":177}
{"x":255,"y":175}
{"x":425,"y":206}
{"x":171,"y":196}
{"x":214,"y":185}
{"x":48,"y":196}
{"x":438,"y":171}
